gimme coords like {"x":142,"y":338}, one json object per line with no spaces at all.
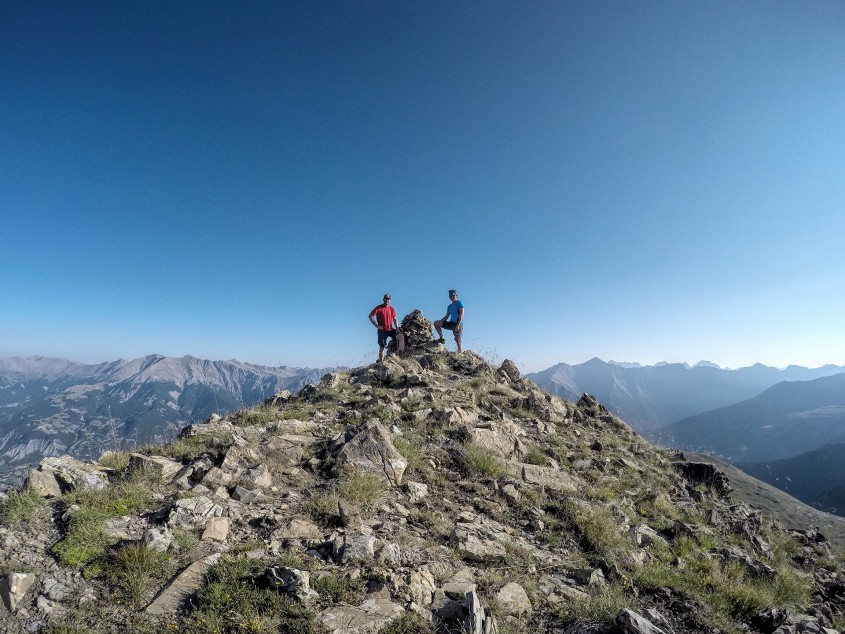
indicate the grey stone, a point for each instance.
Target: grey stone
{"x":165,"y":468}
{"x":368,"y":447}
{"x":367,"y":618}
{"x":75,"y":475}
{"x":171,"y":598}
{"x":43,"y":484}
{"x":354,"y":548}
{"x":509,"y":369}
{"x":158,"y":539}
{"x":513,"y":600}
{"x":632,"y":623}
{"x":217,"y":529}
{"x":416,"y":491}
{"x":291,"y":581}
{"x":13,"y":587}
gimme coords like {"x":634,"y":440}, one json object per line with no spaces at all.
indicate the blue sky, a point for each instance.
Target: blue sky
{"x":636,"y":181}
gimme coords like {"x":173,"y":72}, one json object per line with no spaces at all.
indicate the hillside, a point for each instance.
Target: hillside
{"x":431,"y":493}
{"x":816,"y":477}
{"x":50,"y":407}
{"x":787,"y":419}
{"x":651,"y":397}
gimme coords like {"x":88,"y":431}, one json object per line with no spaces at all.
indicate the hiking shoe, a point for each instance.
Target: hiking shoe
{"x":441,"y":340}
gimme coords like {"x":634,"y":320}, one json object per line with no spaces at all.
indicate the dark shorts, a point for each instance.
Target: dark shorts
{"x":450,"y":325}
{"x":384,"y":334}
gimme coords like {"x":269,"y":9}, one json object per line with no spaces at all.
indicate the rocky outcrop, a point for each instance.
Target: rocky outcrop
{"x":429,"y":493}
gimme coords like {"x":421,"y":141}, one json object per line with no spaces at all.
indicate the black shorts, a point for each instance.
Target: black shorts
{"x":384,"y":334}
{"x":451,"y":325}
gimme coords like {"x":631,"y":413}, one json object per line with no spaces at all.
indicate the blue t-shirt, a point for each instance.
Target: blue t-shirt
{"x":453,"y":309}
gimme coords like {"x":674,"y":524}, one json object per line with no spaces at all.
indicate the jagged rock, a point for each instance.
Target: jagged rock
{"x":556,"y":591}
{"x":513,"y":600}
{"x":589,"y":576}
{"x":216,"y":477}
{"x":298,"y":529}
{"x":164,"y":468}
{"x":290,"y":581}
{"x":454,"y":416}
{"x":217,"y":529}
{"x":286,"y":451}
{"x":368,"y":447}
{"x":644,"y":535}
{"x":367,"y":618}
{"x":446,"y":608}
{"x":75,"y":475}
{"x":502,"y":437}
{"x":349,"y":516}
{"x":259,"y":476}
{"x":158,"y":539}
{"x":547,"y":477}
{"x":704,"y":473}
{"x":509,"y":369}
{"x":238,"y":458}
{"x":753,"y":566}
{"x":632,"y":623}
{"x":477,"y":542}
{"x":13,"y":587}
{"x":43,"y":484}
{"x":193,"y":511}
{"x":354,"y":548}
{"x":242,"y":494}
{"x":416,"y":491}
{"x":180,"y":587}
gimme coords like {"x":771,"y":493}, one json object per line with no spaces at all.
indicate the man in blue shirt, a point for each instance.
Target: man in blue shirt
{"x":453,"y":320}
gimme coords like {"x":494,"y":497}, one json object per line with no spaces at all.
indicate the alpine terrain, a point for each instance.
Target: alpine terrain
{"x":429,"y":493}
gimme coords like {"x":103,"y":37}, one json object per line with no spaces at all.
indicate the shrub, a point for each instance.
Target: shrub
{"x":602,"y":605}
{"x":362,"y":488}
{"x":134,"y":567}
{"x":322,"y":507}
{"x":482,"y":461}
{"x":410,"y":447}
{"x":534,"y":456}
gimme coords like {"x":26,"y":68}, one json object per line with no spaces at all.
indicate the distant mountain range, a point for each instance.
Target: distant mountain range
{"x":54,"y":406}
{"x":651,"y":397}
{"x":787,"y":419}
{"x":816,"y":477}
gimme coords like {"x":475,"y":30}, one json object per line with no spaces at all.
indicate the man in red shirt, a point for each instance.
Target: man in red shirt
{"x":387,"y":326}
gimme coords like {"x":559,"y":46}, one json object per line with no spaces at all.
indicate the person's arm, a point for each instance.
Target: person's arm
{"x":460,"y":315}
{"x":373,"y":321}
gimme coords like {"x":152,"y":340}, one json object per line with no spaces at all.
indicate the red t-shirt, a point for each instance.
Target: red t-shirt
{"x":384,"y":316}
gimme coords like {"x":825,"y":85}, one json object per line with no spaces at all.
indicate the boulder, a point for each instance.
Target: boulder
{"x":162,"y":467}
{"x":291,"y":581}
{"x":72,"y":474}
{"x":367,"y":618}
{"x":509,"y":369}
{"x":13,"y":587}
{"x":513,"y":600}
{"x":368,"y":447}
{"x":43,"y":484}
{"x":173,"y":596}
{"x":632,"y":623}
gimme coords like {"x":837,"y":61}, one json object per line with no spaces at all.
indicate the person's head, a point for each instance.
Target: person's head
{"x":453,"y":294}
{"x":386,"y":298}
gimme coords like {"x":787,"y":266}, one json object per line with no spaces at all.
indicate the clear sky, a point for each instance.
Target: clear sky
{"x":638,"y":181}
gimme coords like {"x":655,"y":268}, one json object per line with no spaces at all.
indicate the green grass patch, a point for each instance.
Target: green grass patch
{"x":22,"y":504}
{"x":601,"y":606}
{"x":534,"y":456}
{"x":261,"y":415}
{"x":191,"y":447}
{"x":134,"y":568}
{"x":412,"y":450}
{"x":409,"y":623}
{"x":230,"y":602}
{"x":482,"y":461}
{"x":333,"y":588}
{"x":362,"y":488}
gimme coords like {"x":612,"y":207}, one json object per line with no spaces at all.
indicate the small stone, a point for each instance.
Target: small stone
{"x":217,"y":529}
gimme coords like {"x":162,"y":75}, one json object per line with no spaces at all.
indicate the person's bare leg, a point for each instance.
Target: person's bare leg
{"x":381,"y":353}
{"x":439,"y":330}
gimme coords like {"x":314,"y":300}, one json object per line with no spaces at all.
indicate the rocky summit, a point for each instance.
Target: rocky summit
{"x":433,"y":492}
